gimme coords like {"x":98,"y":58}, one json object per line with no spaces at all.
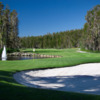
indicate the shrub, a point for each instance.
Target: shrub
{"x":9,"y":50}
{"x":1,"y":51}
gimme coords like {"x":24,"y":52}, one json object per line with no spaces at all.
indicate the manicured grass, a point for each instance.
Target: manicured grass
{"x":11,"y":90}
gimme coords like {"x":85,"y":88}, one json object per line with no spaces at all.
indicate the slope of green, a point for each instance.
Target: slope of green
{"x":11,"y":90}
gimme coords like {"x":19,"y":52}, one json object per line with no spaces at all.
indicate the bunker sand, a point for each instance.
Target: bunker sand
{"x":84,"y":78}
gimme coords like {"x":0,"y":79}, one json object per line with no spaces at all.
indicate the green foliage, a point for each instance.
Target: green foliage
{"x":66,"y":39}
{"x":9,"y":50}
{"x":98,"y":13}
{"x":1,"y":51}
{"x":8,"y":28}
{"x":91,"y":35}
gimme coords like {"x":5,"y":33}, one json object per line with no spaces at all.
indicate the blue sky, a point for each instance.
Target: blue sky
{"x":39,"y":17}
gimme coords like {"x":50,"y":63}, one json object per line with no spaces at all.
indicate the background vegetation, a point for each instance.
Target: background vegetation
{"x":8,"y":27}
{"x":91,"y":38}
{"x":66,"y":39}
{"x":87,"y":38}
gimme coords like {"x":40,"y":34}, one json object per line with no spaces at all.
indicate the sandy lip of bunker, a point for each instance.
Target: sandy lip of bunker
{"x":84,"y":78}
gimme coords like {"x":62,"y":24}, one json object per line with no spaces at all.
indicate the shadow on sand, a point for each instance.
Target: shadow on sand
{"x":79,"y":84}
{"x":11,"y":90}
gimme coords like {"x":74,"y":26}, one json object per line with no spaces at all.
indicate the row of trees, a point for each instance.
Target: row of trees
{"x":8,"y":27}
{"x":87,"y":38}
{"x":66,"y":39}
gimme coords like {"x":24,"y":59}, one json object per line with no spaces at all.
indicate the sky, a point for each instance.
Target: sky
{"x":39,"y":17}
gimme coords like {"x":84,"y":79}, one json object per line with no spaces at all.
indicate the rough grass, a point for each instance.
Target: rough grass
{"x":10,"y":90}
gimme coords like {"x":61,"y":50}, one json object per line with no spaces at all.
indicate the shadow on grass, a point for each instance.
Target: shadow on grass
{"x":11,"y":90}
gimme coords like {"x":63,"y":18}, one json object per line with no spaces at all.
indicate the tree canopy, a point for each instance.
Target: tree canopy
{"x":66,"y":39}
{"x":8,"y":27}
{"x":86,"y":38}
{"x":92,"y":30}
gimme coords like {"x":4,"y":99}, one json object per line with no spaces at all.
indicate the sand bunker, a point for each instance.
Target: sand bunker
{"x":83,"y":78}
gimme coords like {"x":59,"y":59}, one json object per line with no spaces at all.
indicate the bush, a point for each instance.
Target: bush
{"x":9,"y":50}
{"x":1,"y":51}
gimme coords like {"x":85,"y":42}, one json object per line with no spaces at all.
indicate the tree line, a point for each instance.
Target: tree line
{"x":8,"y":27}
{"x":87,"y":38}
{"x":66,"y":39}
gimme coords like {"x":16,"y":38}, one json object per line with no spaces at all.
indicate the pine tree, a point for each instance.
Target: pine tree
{"x":1,"y":24}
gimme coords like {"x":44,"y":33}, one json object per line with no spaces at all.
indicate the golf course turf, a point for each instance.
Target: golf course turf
{"x":11,"y":90}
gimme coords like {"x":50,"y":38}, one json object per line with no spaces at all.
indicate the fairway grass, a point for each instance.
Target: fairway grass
{"x":11,"y":90}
